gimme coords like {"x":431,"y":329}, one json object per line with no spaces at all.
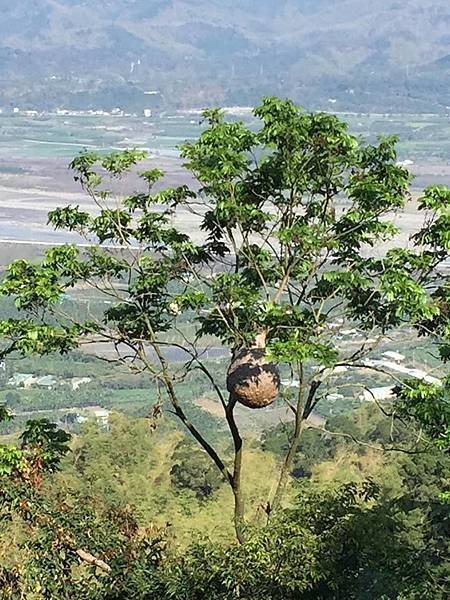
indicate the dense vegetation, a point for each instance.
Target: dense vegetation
{"x":363,"y":524}
{"x":299,"y":266}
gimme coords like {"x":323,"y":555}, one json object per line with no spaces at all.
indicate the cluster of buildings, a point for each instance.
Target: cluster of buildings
{"x":64,"y":112}
{"x":391,"y":364}
{"x":30,"y":380}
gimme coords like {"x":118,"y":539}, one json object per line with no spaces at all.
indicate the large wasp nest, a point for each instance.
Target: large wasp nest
{"x":252,"y":380}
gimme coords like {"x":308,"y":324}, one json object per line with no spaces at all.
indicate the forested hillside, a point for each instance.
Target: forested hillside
{"x":144,"y":516}
{"x":384,"y":55}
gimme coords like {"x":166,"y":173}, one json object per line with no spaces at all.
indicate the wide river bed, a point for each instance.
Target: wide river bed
{"x":36,"y":149}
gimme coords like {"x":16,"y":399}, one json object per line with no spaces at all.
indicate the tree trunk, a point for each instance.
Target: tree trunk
{"x":288,"y":461}
{"x":236,"y":483}
{"x":302,"y":412}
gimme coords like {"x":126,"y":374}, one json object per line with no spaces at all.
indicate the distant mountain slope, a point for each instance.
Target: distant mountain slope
{"x":369,"y":53}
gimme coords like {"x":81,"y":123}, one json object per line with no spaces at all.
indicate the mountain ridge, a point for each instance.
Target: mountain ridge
{"x":67,"y":51}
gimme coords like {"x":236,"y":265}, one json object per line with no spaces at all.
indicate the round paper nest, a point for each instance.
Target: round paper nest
{"x":252,"y":380}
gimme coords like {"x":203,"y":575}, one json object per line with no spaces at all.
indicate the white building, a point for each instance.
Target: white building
{"x":335,"y":397}
{"x":25,"y":380}
{"x":394,"y":356}
{"x":101,"y":415}
{"x":76,"y":382}
{"x":378,"y":393}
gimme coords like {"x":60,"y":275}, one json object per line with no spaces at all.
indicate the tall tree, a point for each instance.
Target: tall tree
{"x":297,"y":242}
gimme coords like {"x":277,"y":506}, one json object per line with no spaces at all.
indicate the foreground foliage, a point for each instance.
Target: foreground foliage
{"x":343,"y":544}
{"x":83,"y":532}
